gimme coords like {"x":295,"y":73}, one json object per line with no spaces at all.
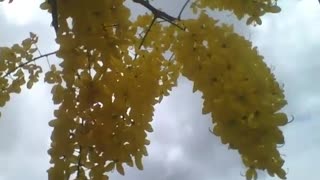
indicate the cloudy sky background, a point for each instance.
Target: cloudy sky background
{"x":182,"y":147}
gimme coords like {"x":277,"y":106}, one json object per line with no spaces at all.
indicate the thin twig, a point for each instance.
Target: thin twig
{"x":146,"y":34}
{"x":177,"y":25}
{"x":89,"y":62}
{"x":25,"y":63}
{"x":292,"y":119}
{"x":41,"y":55}
{"x":211,"y":131}
{"x":80,"y":153}
{"x":183,"y":7}
{"x":171,"y":57}
{"x":158,"y":13}
{"x":161,"y":15}
{"x":79,"y":162}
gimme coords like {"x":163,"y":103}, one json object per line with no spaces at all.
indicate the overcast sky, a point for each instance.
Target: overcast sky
{"x":181,"y":145}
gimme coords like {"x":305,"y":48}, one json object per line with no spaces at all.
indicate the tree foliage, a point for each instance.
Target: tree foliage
{"x":114,"y":69}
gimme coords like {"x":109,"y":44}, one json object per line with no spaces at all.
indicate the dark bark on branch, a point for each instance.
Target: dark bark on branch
{"x":156,"y":12}
{"x":54,"y":13}
{"x":25,"y":63}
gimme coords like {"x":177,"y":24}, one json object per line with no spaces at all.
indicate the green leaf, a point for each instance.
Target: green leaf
{"x":275,"y":9}
{"x":120,"y":168}
{"x":26,"y":44}
{"x":29,"y":84}
{"x":44,"y":5}
{"x":110,"y":166}
{"x":58,"y":94}
{"x":138,"y":162}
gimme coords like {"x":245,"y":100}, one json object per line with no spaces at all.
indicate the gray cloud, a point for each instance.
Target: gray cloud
{"x":181,"y":145}
{"x":24,"y":131}
{"x":292,"y":49}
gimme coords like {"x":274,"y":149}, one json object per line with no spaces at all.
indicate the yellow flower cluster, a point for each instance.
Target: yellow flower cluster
{"x":15,"y":61}
{"x":113,"y":72}
{"x":106,"y":96}
{"x":238,"y":89}
{"x":252,"y":8}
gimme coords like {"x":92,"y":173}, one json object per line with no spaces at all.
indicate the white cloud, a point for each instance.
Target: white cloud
{"x":21,"y":12}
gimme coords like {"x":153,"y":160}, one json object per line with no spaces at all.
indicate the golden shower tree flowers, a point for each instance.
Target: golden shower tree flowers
{"x":114,"y":69}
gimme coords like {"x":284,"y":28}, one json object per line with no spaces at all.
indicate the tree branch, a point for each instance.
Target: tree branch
{"x":157,"y":13}
{"x":147,"y":32}
{"x":145,"y":35}
{"x":79,"y":163}
{"x":54,"y":13}
{"x":25,"y":63}
{"x":182,"y":9}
